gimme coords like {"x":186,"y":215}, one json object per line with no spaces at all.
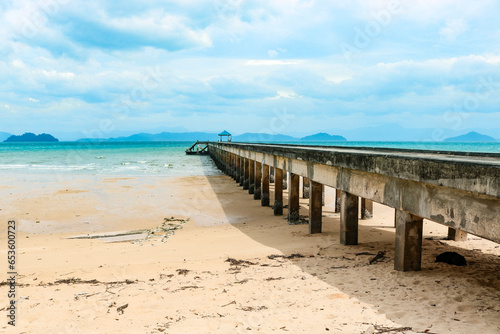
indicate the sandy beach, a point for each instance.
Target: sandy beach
{"x":233,"y":267}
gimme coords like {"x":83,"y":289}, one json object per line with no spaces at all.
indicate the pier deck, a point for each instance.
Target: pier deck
{"x":456,"y":189}
{"x":198,"y":148}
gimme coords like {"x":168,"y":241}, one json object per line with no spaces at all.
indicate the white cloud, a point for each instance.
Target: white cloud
{"x":264,"y":62}
{"x":236,"y":58}
{"x":453,"y":29}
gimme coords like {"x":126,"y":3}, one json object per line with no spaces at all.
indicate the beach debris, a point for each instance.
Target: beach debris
{"x":121,"y":309}
{"x":380,"y":255}
{"x":234,"y":262}
{"x":251,"y":308}
{"x":289,"y":257}
{"x":116,"y":236}
{"x":302,"y":220}
{"x":80,"y":281}
{"x":188,"y":287}
{"x":452,"y":258}
{"x":382,"y":329}
{"x":160,"y":233}
{"x":84,"y":294}
{"x":273,"y":278}
{"x":363,"y":253}
{"x":182,"y":271}
{"x":164,"y":231}
{"x":230,"y":303}
{"x":242,"y":281}
{"x":324,"y":248}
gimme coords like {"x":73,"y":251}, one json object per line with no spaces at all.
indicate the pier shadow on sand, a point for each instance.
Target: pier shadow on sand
{"x":442,"y":293}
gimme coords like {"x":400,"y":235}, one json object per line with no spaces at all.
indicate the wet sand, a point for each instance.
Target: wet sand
{"x":278,"y":277}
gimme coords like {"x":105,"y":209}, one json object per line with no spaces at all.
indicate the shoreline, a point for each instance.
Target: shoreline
{"x":330,"y":287}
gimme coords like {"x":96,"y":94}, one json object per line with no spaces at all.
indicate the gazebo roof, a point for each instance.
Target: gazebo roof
{"x":224,"y":133}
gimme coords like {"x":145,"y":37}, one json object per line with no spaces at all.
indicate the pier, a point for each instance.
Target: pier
{"x":198,"y":148}
{"x":457,"y":189}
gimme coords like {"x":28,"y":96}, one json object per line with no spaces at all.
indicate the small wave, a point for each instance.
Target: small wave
{"x":13,"y":166}
{"x":100,"y":157}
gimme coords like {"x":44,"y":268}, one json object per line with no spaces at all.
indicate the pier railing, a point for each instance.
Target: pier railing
{"x":459,"y":190}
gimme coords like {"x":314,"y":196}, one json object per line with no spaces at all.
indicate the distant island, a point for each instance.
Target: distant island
{"x":322,"y":137}
{"x":193,"y":136}
{"x":471,"y":137}
{"x":31,"y":137}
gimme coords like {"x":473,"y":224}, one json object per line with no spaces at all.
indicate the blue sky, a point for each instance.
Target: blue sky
{"x":364,"y":69}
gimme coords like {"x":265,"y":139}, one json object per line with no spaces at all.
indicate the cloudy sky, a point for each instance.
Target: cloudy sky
{"x":103,"y":68}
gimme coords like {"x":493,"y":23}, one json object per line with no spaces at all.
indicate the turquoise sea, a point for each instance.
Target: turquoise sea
{"x":155,"y":158}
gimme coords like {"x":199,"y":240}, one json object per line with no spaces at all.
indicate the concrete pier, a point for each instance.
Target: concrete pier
{"x":408,"y":241}
{"x":242,"y":171}
{"x":455,"y":189}
{"x":457,"y":235}
{"x":257,"y":194}
{"x":238,"y":168}
{"x":251,"y":179}
{"x":305,"y":187}
{"x":246,"y":181}
{"x":293,"y":199}
{"x":366,"y":208}
{"x":337,"y":200}
{"x":348,"y":219}
{"x":265,"y":186}
{"x":278,"y":192}
{"x":315,"y":207}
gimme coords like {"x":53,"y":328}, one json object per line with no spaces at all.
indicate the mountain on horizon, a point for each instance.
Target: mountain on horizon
{"x":164,"y":136}
{"x":204,"y":136}
{"x":322,"y":136}
{"x":471,"y":137}
{"x":29,"y":137}
{"x":254,"y":137}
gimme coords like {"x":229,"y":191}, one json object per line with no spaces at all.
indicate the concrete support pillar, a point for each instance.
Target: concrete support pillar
{"x":293,"y":199}
{"x":337,"y":200}
{"x":246,"y":182}
{"x":271,"y":175}
{"x":226,"y":163}
{"x":237,"y":169}
{"x":323,"y":195}
{"x":251,"y":184}
{"x":242,"y":171}
{"x":408,"y":256}
{"x":315,"y":208}
{"x":258,"y":181}
{"x":305,"y":187}
{"x":265,"y":185}
{"x":285,"y":179}
{"x":348,"y":219}
{"x":278,"y":192}
{"x":233,"y":166}
{"x":457,"y":235}
{"x":366,"y":208}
